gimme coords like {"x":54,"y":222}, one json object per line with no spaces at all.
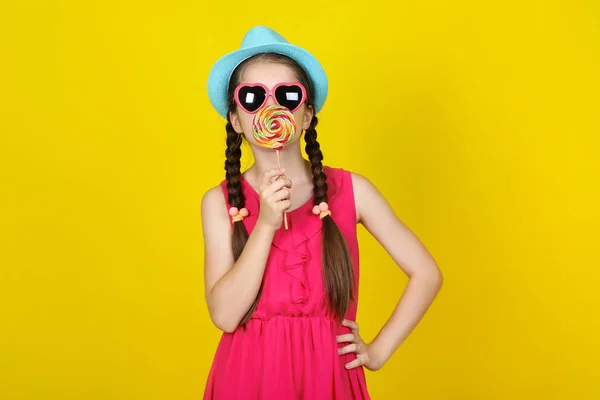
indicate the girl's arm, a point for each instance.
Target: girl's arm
{"x":409,"y":253}
{"x":231,"y":287}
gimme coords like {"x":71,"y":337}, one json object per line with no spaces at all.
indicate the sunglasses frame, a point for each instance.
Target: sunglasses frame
{"x":269,"y":93}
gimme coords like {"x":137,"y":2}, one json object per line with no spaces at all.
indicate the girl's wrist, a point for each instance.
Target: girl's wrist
{"x":264,"y":227}
{"x":378,"y":353}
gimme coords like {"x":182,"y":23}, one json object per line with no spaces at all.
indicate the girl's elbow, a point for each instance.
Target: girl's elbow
{"x":227,"y":328}
{"x":433,"y":275}
{"x":438,"y":279}
{"x":227,"y":325}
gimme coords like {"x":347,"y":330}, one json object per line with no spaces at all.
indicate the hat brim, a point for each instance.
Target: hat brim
{"x":218,"y":79}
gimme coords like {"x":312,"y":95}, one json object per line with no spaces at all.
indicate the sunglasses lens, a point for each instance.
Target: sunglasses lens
{"x":289,"y":96}
{"x":251,"y":97}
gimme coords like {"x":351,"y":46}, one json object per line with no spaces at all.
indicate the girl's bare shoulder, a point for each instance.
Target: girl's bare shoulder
{"x":213,"y":201}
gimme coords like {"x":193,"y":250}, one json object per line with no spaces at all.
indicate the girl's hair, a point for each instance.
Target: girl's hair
{"x":337,"y":264}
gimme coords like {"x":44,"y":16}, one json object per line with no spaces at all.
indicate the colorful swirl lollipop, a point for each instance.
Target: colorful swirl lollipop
{"x":273,"y":126}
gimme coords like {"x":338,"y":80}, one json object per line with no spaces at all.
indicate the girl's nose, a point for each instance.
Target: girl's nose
{"x":270,"y":101}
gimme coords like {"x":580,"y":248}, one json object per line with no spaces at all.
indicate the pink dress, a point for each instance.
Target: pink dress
{"x":289,"y":350}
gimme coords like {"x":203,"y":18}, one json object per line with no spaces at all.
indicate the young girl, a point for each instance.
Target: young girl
{"x":286,"y":299}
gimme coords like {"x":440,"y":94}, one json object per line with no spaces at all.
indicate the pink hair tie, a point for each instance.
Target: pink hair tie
{"x":238,"y":215}
{"x":321,"y":210}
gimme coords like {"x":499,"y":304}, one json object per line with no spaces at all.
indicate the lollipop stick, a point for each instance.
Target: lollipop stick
{"x":278,"y":160}
{"x":285,"y":221}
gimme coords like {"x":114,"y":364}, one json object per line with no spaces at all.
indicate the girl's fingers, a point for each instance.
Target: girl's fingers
{"x":283,"y":194}
{"x":348,"y":337}
{"x":351,"y":348}
{"x":354,"y":363}
{"x":275,"y":187}
{"x":282,"y":181}
{"x":268,"y":191}
{"x":268,"y":175}
{"x":282,"y":176}
{"x":350,"y":324}
{"x":284,"y":205}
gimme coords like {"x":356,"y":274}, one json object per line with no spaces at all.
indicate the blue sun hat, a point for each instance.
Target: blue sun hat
{"x":261,"y":39}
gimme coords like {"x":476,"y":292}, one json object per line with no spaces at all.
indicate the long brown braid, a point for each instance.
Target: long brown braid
{"x":235,"y":197}
{"x":338,"y":274}
{"x":337,"y":263}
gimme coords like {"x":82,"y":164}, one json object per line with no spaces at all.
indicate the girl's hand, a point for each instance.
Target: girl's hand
{"x":363,"y":351}
{"x":274,"y":192}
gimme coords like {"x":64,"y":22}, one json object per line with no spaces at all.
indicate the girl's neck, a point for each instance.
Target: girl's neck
{"x":296,"y":167}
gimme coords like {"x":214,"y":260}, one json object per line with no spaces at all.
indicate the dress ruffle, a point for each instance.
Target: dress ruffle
{"x":303,"y":225}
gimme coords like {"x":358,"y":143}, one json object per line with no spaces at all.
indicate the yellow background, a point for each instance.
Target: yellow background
{"x":478,"y":120}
